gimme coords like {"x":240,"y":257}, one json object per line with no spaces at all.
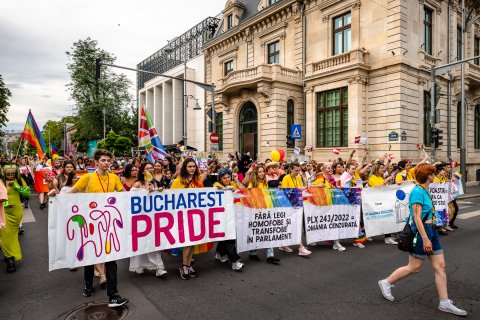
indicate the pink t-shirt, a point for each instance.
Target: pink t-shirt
{"x":3,"y":198}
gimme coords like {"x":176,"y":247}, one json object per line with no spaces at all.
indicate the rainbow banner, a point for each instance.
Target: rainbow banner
{"x":32,"y":134}
{"x":331,"y":214}
{"x":53,"y":150}
{"x":267,"y":218}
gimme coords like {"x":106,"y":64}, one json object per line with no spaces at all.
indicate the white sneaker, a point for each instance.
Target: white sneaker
{"x":304,"y":252}
{"x":386,"y":289}
{"x":390,"y":240}
{"x":447,"y":306}
{"x":338,"y":246}
{"x":236,"y":266}
{"x":160,"y":272}
{"x":313,"y":244}
{"x":359,"y":245}
{"x":448,"y":228}
{"x":286,"y":249}
{"x":220,"y":258}
{"x":139,"y":271}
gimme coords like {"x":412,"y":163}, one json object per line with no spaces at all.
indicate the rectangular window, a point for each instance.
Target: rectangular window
{"x":274,"y":52}
{"x":459,"y":124}
{"x":459,"y":43}
{"x":332,"y":118}
{"x":427,"y":29}
{"x":476,"y":50}
{"x":219,"y":125}
{"x":228,"y":67}
{"x":229,"y":21}
{"x":476,"y":140}
{"x":272,"y":1}
{"x":427,"y":108}
{"x":342,"y":33}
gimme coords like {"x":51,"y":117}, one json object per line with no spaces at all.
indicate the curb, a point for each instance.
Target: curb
{"x":469,"y":196}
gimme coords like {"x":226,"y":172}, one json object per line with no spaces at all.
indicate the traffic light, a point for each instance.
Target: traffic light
{"x":436,"y":137}
{"x":97,"y":69}
{"x":290,"y":141}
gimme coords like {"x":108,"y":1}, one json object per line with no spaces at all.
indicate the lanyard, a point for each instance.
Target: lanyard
{"x":294,"y":181}
{"x":100,"y":180}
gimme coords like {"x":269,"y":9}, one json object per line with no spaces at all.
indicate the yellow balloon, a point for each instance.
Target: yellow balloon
{"x":275,"y":156}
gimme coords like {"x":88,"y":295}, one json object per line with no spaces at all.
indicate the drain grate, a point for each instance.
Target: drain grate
{"x":97,"y":311}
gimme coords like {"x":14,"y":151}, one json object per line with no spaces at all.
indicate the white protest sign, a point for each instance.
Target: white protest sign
{"x":440,"y":194}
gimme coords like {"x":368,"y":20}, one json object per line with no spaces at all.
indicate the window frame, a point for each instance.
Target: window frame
{"x":427,"y":126}
{"x":229,"y":20}
{"x":321,"y":102}
{"x":341,"y":29}
{"x":219,"y":129}
{"x":270,"y":2}
{"x":476,"y":50}
{"x":274,"y":54}
{"x":428,"y":27}
{"x":290,"y":121}
{"x":459,"y":42}
{"x":459,"y":124}
{"x":226,"y":70}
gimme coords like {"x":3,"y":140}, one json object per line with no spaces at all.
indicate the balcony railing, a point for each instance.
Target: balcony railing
{"x":353,"y":57}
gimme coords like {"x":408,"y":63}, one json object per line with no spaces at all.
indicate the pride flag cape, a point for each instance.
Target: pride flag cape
{"x":32,"y":134}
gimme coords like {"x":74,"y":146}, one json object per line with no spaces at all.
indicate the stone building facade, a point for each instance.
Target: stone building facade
{"x":342,"y":69}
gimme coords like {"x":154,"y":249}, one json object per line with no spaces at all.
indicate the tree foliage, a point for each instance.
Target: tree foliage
{"x":116,"y":143}
{"x":5,"y":94}
{"x":54,"y":131}
{"x":93,"y":97}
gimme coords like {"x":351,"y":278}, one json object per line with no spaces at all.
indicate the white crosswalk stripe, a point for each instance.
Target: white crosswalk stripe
{"x":469,"y":215}
{"x":28,"y":216}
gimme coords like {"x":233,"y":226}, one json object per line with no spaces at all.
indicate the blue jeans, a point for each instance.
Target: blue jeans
{"x":269,"y":252}
{"x":432,"y":235}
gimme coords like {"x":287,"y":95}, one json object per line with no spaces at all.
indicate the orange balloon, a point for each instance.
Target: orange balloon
{"x":275,"y":156}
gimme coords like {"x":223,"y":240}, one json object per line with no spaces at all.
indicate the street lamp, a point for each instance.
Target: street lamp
{"x":185,"y":104}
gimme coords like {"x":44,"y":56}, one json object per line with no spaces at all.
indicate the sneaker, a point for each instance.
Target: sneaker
{"x":386,"y":289}
{"x":337,"y":246}
{"x":273,"y":260}
{"x":313,"y":244}
{"x":88,"y":291}
{"x":453,"y":226}
{"x":160,"y":272}
{"x":237,"y":266}
{"x":42,"y":206}
{"x":21,"y":231}
{"x":116,"y":301}
{"x":286,"y":249}
{"x":192,"y":272}
{"x":390,"y":240}
{"x":254,"y":257}
{"x":221,"y":258}
{"x":447,"y":306}
{"x":304,"y":252}
{"x":359,"y":245}
{"x":448,"y":228}
{"x":370,"y":239}
{"x":184,"y":272}
{"x":139,"y":271}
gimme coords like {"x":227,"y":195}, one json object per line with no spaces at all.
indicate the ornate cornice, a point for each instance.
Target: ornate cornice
{"x":357,"y":79}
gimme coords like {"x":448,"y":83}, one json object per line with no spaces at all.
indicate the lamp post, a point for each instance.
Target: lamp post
{"x":104,"y":128}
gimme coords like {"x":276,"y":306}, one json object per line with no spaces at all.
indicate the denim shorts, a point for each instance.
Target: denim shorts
{"x":432,"y":234}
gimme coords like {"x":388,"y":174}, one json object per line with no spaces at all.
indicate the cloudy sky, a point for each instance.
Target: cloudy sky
{"x":34,"y":36}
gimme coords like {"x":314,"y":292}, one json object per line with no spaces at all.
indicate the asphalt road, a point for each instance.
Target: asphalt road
{"x":327,"y":285}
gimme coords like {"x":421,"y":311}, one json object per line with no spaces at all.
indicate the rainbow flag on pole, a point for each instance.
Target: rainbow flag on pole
{"x":32,"y":134}
{"x":53,"y":150}
{"x":148,"y":138}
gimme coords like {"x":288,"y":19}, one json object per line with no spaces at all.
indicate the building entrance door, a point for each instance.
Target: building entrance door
{"x":248,"y":136}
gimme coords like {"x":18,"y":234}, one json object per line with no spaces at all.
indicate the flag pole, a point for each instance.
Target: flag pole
{"x":19,"y":145}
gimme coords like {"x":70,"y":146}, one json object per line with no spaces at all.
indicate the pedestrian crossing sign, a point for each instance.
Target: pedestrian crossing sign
{"x":296,"y":130}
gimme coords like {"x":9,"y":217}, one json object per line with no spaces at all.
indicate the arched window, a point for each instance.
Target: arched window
{"x":248,"y":129}
{"x":477,"y":127}
{"x":290,"y":121}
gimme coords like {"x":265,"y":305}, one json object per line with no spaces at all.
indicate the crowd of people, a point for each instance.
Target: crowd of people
{"x":105,"y":173}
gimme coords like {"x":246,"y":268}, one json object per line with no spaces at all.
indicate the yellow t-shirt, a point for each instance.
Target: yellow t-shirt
{"x":219,"y":185}
{"x":289,"y":182}
{"x":94,"y":183}
{"x":261,"y":185}
{"x":321,"y":180}
{"x":440,"y":179}
{"x":410,"y":175}
{"x":375,"y":181}
{"x":356,"y":175}
{"x":177,"y":184}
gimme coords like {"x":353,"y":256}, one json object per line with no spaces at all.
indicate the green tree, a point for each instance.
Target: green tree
{"x":109,"y":94}
{"x":54,"y":131}
{"x":116,"y":143}
{"x":5,"y":94}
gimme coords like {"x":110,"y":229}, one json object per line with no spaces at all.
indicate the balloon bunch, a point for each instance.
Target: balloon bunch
{"x":277,"y":155}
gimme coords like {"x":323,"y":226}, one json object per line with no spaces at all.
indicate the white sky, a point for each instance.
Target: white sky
{"x":34,"y":36}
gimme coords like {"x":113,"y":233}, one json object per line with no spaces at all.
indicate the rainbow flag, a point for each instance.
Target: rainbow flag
{"x":148,"y":138}
{"x":262,"y":198}
{"x":32,"y":134}
{"x":53,"y":150}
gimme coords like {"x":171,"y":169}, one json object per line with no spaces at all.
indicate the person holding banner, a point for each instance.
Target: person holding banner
{"x":258,"y":181}
{"x":151,"y":260}
{"x":376,"y":179}
{"x":291,"y":181}
{"x":426,"y":243}
{"x":130,"y":175}
{"x":159,"y":176}
{"x":16,"y":187}
{"x":227,"y":249}
{"x":188,"y":177}
{"x":60,"y":180}
{"x":327,"y":180}
{"x":453,"y":206}
{"x":97,"y":182}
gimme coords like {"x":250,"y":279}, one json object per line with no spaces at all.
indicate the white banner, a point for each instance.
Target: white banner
{"x":385,"y":208}
{"x":332,"y":222}
{"x":440,"y":194}
{"x":90,"y":228}
{"x":267,"y":228}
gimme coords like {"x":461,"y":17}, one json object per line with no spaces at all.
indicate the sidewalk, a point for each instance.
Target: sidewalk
{"x":472,"y":192}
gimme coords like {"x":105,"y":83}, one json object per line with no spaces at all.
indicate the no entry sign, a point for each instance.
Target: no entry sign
{"x":214,"y":137}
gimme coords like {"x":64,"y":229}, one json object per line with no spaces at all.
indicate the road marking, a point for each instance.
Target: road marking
{"x":469,"y":215}
{"x":461,"y":207}
{"x":465,"y":202}
{"x":28,"y":216}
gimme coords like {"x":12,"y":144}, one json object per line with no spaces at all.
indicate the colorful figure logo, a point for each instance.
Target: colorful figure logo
{"x":101,"y":231}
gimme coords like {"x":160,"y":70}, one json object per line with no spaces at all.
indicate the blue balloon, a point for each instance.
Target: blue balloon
{"x":400,"y":195}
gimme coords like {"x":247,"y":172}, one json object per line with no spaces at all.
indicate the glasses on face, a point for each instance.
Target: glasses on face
{"x":9,"y":174}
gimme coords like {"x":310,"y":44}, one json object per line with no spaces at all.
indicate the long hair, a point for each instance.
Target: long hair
{"x":256,"y":180}
{"x":70,"y":178}
{"x":162,"y":170}
{"x":141,"y":174}
{"x":127,"y":172}
{"x":184,"y":173}
{"x":17,"y":176}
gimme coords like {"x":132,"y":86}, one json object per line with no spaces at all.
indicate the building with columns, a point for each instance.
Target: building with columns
{"x":343,"y":69}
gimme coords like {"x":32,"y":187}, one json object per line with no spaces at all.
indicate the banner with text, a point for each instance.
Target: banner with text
{"x":385,"y":208}
{"x":268,"y":218}
{"x":90,"y":228}
{"x":331,"y":214}
{"x":440,"y":194}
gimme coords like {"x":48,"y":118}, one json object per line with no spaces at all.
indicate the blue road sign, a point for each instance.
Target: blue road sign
{"x":296,"y":130}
